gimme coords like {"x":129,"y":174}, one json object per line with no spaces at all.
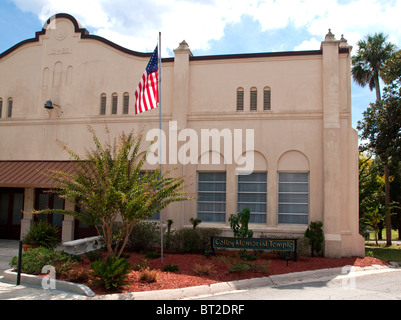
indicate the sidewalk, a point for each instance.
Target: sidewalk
{"x":9,"y":290}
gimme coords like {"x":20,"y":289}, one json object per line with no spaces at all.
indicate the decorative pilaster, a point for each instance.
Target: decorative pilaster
{"x":181,"y":84}
{"x":331,"y":146}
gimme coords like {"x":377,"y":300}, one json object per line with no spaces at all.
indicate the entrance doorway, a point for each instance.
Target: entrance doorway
{"x":11,"y":206}
{"x":81,"y":229}
{"x":47,"y":200}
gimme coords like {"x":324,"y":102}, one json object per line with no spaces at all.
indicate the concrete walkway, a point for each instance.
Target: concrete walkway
{"x":10,"y":291}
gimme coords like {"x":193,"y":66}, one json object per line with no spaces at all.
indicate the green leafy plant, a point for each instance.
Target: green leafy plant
{"x":192,"y":240}
{"x":152,"y":255}
{"x":35,"y":259}
{"x":248,"y":256}
{"x":315,"y":236}
{"x":145,"y":236}
{"x":94,"y":255}
{"x":170,"y":268}
{"x":143,"y":264}
{"x":112,"y":274}
{"x":239,"y":224}
{"x":195,"y":222}
{"x":43,"y":234}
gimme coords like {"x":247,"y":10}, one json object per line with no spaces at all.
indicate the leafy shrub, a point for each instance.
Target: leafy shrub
{"x":112,"y":274}
{"x":152,"y":255}
{"x":240,"y":266}
{"x":192,"y":240}
{"x":248,"y":256}
{"x":143,"y":264}
{"x":144,"y":236}
{"x":148,"y":275}
{"x":239,"y":224}
{"x":34,"y":260}
{"x":170,"y":268}
{"x":94,"y":255}
{"x":43,"y":234}
{"x":195,"y":222}
{"x":315,"y":235}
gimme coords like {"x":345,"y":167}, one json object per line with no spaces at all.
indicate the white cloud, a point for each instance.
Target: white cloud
{"x":312,"y":44}
{"x":135,"y":24}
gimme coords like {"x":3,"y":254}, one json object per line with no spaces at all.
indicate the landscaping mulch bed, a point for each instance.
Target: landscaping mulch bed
{"x":217,"y":269}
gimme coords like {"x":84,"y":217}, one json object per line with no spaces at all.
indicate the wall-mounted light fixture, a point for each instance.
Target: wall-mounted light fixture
{"x":50,"y":106}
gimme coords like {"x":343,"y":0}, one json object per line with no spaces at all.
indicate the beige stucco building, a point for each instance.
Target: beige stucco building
{"x":293,"y":107}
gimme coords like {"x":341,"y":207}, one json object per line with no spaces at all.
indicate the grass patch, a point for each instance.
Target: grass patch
{"x":394,"y":235}
{"x":392,"y":253}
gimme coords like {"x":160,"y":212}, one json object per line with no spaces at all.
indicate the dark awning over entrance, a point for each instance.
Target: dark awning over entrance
{"x":31,"y":174}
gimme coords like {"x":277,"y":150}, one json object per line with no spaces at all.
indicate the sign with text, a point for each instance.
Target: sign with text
{"x":256,"y":244}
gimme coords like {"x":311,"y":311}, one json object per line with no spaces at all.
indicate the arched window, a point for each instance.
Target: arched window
{"x":114,"y":103}
{"x":10,"y":108}
{"x":126,"y":103}
{"x":267,"y":98}
{"x":103,"y":100}
{"x":254,"y":99}
{"x":240,"y":99}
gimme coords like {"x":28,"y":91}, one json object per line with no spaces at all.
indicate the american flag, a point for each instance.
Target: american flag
{"x":147,"y":92}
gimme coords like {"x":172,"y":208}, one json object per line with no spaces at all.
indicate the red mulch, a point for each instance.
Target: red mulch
{"x":186,"y":276}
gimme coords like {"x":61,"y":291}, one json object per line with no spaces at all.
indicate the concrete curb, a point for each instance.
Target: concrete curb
{"x":213,"y":289}
{"x":223,"y":287}
{"x":68,"y":287}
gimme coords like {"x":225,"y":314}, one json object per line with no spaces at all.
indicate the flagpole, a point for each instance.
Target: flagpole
{"x":160,"y":136}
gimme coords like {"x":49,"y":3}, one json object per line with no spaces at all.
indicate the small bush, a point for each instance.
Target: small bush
{"x":43,"y":234}
{"x":248,"y":256}
{"x":170,"y":268}
{"x":240,"y":266}
{"x":152,"y":255}
{"x":35,"y":259}
{"x":144,"y":236}
{"x":148,"y":275}
{"x":94,"y":255}
{"x":112,"y":274}
{"x":203,"y":269}
{"x":315,"y":235}
{"x":192,"y":240}
{"x":143,"y":264}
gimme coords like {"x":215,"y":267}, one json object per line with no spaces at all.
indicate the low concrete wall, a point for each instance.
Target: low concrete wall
{"x":28,"y":279}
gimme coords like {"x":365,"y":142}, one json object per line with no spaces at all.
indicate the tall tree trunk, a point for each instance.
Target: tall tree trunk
{"x":377,"y":87}
{"x":387,"y":203}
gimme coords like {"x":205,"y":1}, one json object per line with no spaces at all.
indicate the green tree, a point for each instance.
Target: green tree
{"x":371,"y":193}
{"x":108,"y":184}
{"x":378,"y":126}
{"x":381,"y":129}
{"x":371,"y":55}
{"x":391,"y":70}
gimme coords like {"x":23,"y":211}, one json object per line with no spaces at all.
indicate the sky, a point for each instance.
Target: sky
{"x":213,"y":27}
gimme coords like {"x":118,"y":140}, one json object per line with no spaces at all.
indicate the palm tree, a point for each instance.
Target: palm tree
{"x":370,"y":57}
